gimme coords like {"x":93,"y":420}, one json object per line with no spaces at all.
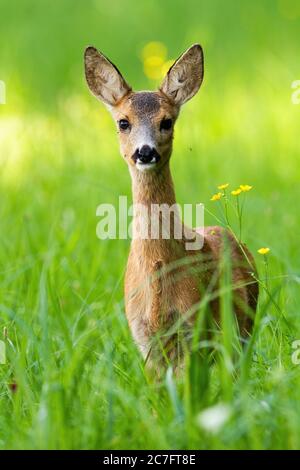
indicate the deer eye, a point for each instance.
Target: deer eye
{"x":124,"y":124}
{"x":166,"y":124}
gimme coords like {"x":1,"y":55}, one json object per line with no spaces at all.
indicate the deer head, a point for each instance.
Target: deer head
{"x":145,"y":120}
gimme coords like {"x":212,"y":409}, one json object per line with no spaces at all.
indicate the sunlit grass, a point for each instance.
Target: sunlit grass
{"x":74,"y":378}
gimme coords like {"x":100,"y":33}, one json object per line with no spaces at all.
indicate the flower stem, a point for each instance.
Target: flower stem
{"x":226,"y":207}
{"x":266,"y":271}
{"x":239,"y":217}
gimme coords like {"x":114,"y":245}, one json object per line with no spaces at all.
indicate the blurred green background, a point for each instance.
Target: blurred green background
{"x":73,"y":376}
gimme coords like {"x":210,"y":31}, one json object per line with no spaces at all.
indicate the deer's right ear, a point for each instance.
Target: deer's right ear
{"x":103,"y":78}
{"x":185,"y":76}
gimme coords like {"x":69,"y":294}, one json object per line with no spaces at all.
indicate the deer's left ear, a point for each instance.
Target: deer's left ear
{"x":185,"y":76}
{"x":103,"y":78}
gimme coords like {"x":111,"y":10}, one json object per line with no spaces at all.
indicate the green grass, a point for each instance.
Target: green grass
{"x":80,"y":380}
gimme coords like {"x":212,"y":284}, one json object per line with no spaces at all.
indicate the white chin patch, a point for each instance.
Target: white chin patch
{"x":146,"y":166}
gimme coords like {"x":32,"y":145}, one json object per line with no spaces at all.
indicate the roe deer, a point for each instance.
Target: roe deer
{"x":160,"y":285}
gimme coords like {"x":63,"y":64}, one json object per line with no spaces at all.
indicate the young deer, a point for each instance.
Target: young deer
{"x":165,"y":281}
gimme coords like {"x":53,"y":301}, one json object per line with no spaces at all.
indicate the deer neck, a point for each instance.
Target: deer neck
{"x":149,"y":189}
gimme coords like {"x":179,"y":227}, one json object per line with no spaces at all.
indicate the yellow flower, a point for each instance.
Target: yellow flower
{"x":245,"y":187}
{"x":216,"y":197}
{"x":263,"y":251}
{"x":223,"y":186}
{"x":154,"y":48}
{"x":153,"y":66}
{"x":236,"y":192}
{"x":154,"y":56}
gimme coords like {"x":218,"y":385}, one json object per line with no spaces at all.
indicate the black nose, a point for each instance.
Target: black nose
{"x":146,"y":154}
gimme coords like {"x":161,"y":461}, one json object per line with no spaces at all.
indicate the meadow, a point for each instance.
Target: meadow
{"x":73,"y":377}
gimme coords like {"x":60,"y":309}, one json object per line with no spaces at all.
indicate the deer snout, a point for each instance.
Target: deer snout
{"x":146,"y":155}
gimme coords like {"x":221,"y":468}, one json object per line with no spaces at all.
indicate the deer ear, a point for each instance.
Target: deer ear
{"x":103,"y":78}
{"x":185,"y":76}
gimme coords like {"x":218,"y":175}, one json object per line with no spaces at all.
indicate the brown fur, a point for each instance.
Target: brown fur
{"x":164,"y":281}
{"x":154,"y":292}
